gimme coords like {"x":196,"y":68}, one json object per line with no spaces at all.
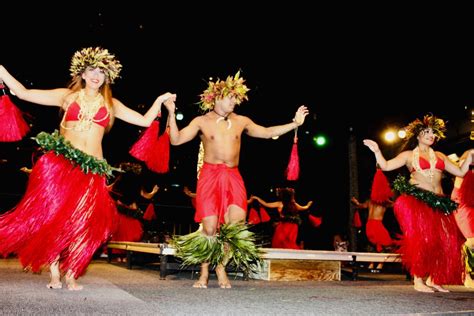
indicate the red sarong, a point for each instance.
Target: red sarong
{"x":219,"y":186}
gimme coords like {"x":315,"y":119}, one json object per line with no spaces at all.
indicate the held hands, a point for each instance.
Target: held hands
{"x":166,"y":96}
{"x":170,"y":104}
{"x":300,"y":115}
{"x":372,"y":145}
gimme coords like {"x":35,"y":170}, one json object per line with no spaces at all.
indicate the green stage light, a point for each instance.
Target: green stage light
{"x":320,"y":141}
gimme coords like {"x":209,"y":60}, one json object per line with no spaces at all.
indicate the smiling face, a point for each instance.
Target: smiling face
{"x":94,"y":77}
{"x":427,"y":137}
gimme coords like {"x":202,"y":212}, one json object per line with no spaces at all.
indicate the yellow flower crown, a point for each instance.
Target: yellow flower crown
{"x":429,"y":121}
{"x":220,"y":89}
{"x":95,"y":57}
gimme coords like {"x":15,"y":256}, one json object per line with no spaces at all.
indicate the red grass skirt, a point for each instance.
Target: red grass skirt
{"x":285,"y":236}
{"x":377,"y":234}
{"x":64,"y":213}
{"x":464,"y":216}
{"x":431,"y":244}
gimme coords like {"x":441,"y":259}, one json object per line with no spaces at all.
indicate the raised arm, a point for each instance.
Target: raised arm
{"x":276,"y":204}
{"x":460,"y":171}
{"x":303,"y":207}
{"x":356,"y":202}
{"x":387,"y":165}
{"x":149,"y":195}
{"x":259,"y":131}
{"x":133,"y":117}
{"x":178,"y":137}
{"x":54,"y":97}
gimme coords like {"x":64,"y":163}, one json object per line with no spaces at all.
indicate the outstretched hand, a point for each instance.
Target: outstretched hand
{"x":300,"y":115}
{"x":372,"y":145}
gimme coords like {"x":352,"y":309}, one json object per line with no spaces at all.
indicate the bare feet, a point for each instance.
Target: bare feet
{"x":437,"y":287}
{"x":55,"y":276}
{"x":423,"y":288}
{"x":201,"y":283}
{"x":71,"y":283}
{"x":420,"y":286}
{"x":222,"y":278}
{"x":203,"y":277}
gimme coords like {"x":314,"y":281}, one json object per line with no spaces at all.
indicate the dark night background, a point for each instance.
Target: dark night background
{"x":359,"y":70}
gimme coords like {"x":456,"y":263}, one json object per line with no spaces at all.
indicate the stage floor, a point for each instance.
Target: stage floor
{"x":112,"y":289}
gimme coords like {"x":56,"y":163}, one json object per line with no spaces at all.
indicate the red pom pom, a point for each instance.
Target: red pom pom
{"x":12,"y":125}
{"x":143,"y":148}
{"x":149,"y":213}
{"x":264,"y":215}
{"x":254,"y":219}
{"x":161,"y":155}
{"x":381,"y":191}
{"x":293,"y":169}
{"x":466,"y":191}
{"x":315,"y":221}
{"x":356,"y":222}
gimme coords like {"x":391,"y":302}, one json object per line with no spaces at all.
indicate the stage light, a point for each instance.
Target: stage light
{"x":179,"y":116}
{"x":320,"y":141}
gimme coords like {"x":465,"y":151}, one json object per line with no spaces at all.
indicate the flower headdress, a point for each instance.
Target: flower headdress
{"x":220,"y":89}
{"x":95,"y":57}
{"x":429,"y":121}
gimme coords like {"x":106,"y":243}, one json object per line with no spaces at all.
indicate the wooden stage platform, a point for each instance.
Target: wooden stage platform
{"x":279,"y":264}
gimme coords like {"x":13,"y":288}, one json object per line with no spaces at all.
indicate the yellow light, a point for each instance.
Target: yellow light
{"x":389,"y":136}
{"x":402,"y":133}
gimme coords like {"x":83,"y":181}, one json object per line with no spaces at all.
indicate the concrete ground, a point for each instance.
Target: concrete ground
{"x":111,"y":289}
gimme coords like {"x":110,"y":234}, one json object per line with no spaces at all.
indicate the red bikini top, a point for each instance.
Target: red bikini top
{"x":425,"y":164}
{"x":101,"y":117}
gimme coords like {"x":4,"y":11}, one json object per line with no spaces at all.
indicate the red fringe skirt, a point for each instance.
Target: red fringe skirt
{"x":285,"y":236}
{"x":464,"y":216}
{"x":431,"y":244}
{"x":64,"y":213}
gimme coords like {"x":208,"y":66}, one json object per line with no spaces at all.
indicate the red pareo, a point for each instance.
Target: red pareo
{"x":219,"y":186}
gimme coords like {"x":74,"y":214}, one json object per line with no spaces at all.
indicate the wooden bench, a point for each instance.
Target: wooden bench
{"x":279,"y":264}
{"x":161,"y":249}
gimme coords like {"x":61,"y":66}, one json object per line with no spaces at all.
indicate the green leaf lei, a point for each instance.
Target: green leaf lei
{"x":87,"y":163}
{"x":437,"y":202}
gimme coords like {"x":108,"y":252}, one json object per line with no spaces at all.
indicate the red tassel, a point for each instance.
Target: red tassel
{"x":254,"y":219}
{"x":264,"y":215}
{"x":149,"y":213}
{"x":161,"y":154}
{"x":466,"y":191}
{"x":293,"y":169}
{"x":143,"y":148}
{"x":356,"y":222}
{"x":381,"y":191}
{"x":315,"y":221}
{"x":12,"y":125}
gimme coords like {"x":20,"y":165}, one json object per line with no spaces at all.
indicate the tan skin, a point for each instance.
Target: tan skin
{"x":376,"y":212}
{"x":425,"y":140}
{"x":222,"y":146}
{"x":89,"y":141}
